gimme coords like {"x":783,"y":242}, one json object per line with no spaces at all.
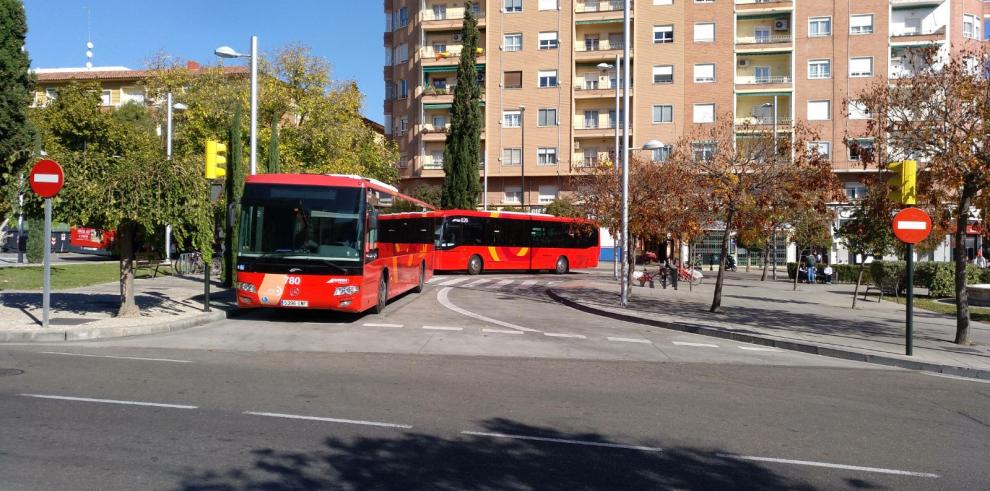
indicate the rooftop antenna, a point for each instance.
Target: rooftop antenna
{"x":89,"y":42}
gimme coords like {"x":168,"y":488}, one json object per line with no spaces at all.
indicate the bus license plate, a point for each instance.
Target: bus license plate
{"x":295,"y":303}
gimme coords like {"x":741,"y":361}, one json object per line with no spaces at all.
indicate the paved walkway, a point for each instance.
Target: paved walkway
{"x":815,"y":318}
{"x":167,"y":303}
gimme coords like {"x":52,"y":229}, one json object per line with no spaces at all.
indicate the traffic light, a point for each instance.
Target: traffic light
{"x":902,"y":184}
{"x":216,"y":159}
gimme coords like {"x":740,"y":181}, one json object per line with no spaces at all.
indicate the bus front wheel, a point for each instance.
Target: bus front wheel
{"x":422,"y":279}
{"x":562,"y":266}
{"x":475,"y":265}
{"x":382,"y":294}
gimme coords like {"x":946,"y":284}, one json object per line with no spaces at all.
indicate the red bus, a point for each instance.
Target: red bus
{"x":479,"y":241}
{"x":333,"y":242}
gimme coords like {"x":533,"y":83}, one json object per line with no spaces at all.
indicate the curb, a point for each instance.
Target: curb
{"x":94,"y":333}
{"x":798,"y":346}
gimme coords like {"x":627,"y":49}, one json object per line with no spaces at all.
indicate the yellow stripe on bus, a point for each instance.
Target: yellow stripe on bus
{"x":494,"y":253}
{"x":522,"y":251}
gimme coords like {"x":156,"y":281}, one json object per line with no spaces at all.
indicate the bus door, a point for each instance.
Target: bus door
{"x":510,"y":243}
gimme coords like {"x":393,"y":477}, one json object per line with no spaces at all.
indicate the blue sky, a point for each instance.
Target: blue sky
{"x":128,"y":32}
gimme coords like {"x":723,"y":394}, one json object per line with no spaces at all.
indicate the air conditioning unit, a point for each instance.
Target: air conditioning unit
{"x":780,"y":25}
{"x":458,"y":36}
{"x":743,"y":62}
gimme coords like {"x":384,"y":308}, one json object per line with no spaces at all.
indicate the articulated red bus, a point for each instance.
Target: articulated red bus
{"x":330,"y":242}
{"x":488,"y":241}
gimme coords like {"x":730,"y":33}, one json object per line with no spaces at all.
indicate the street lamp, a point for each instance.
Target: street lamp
{"x":228,"y":52}
{"x":626,"y":27}
{"x":176,"y":106}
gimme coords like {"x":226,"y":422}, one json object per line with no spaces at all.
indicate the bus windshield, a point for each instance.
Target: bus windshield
{"x":301,"y":222}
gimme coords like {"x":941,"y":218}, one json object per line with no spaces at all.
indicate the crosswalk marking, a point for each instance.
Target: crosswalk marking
{"x":501,"y":331}
{"x":477,"y":282}
{"x":528,"y":283}
{"x":377,"y":324}
{"x":756,"y":348}
{"x":700,"y":345}
{"x":630,"y":340}
{"x":564,"y":335}
{"x":502,"y":283}
{"x":452,"y":282}
{"x":443,"y":328}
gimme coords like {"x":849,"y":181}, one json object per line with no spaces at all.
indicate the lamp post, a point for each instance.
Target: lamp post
{"x":228,"y":52}
{"x":605,"y":68}
{"x":773,"y":232}
{"x":624,"y":296}
{"x":522,"y":152}
{"x":168,"y":155}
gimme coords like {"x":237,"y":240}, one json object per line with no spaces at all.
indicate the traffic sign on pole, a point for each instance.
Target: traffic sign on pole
{"x":912,"y":225}
{"x":46,"y":178}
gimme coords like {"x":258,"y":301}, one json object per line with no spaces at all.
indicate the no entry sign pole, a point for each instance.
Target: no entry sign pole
{"x":911,"y":225}
{"x":46,"y":181}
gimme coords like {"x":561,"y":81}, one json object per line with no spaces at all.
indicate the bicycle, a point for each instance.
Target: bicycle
{"x":648,"y":277}
{"x":690,"y":275}
{"x":192,"y":264}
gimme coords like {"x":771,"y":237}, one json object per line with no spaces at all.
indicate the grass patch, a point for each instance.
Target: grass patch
{"x":978,"y":314}
{"x":64,"y":277}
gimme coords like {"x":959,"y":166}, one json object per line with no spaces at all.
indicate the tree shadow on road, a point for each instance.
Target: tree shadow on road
{"x":414,"y":461}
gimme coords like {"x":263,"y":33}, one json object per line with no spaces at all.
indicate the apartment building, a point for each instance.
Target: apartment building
{"x":549,"y":108}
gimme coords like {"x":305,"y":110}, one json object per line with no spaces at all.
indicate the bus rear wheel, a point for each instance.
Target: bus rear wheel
{"x":382,"y":294}
{"x":475,"y":265}
{"x":562,"y":266}
{"x":422,"y":279}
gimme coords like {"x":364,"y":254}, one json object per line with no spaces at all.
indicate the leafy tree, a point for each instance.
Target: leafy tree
{"x":462,"y":152}
{"x":273,"y":164}
{"x":16,"y":134}
{"x":36,"y":240}
{"x":564,"y":206}
{"x":868,"y":231}
{"x":235,"y":189}
{"x":937,"y":112}
{"x":810,"y":229}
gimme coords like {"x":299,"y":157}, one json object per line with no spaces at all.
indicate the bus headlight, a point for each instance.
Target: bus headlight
{"x":345,"y":290}
{"x":246,"y":287}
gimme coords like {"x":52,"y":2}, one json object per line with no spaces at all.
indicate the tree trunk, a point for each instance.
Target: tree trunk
{"x":797,"y":270}
{"x":766,"y":260}
{"x":859,"y":281}
{"x":962,"y":300}
{"x":126,"y":235}
{"x":717,"y":298}
{"x":631,"y":251}
{"x":690,"y":266}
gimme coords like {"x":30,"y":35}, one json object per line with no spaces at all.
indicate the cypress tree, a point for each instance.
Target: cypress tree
{"x":16,"y":91}
{"x":462,"y":153}
{"x":235,"y":189}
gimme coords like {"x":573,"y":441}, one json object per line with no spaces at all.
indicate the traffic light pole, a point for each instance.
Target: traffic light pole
{"x":909,"y":315}
{"x":206,"y":265}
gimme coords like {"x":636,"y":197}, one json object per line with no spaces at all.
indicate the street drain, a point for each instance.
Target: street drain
{"x":9,"y":372}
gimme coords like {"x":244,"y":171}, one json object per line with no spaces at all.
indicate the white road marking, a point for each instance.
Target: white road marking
{"x":109,"y":401}
{"x":435,"y":279}
{"x":453,"y":281}
{"x":757,"y":348}
{"x":443,"y":328}
{"x":528,"y":283}
{"x":502,"y":331}
{"x":956,"y":377}
{"x":630,"y":340}
{"x":375,"y":324}
{"x":698,"y":345}
{"x":811,"y":463}
{"x":116,"y":357}
{"x":911,"y":225}
{"x":502,"y":283}
{"x":329,"y":420}
{"x":561,"y":440}
{"x":552,"y":283}
{"x":442,"y":298}
{"x":477,"y":282}
{"x":564,"y":335}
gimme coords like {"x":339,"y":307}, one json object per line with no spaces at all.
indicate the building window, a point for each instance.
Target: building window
{"x":389,"y":91}
{"x":511,"y":6}
{"x":704,"y":113}
{"x":591,"y":120}
{"x":512,"y":195}
{"x":548,"y":40}
{"x":402,"y":53}
{"x":546,"y":117}
{"x":704,"y":32}
{"x":819,"y":69}
{"x":436,"y":158}
{"x":860,"y":148}
{"x":512,"y":42}
{"x":861,"y":66}
{"x":403,"y":89}
{"x":661,"y":154}
{"x":819,"y":26}
{"x":546,"y":156}
{"x":971,"y":27}
{"x":403,"y":126}
{"x":548,"y":78}
{"x":547,"y":5}
{"x":819,"y":110}
{"x":403,"y":17}
{"x":663,"y":113}
{"x":548,"y":193}
{"x":703,"y":151}
{"x":439,"y":122}
{"x":663,"y":34}
{"x":861,"y":24}
{"x":663,"y":74}
{"x":821,"y":148}
{"x":106,"y":98}
{"x":855,"y":191}
{"x":857,"y":110}
{"x":704,"y":73}
{"x":439,"y":11}
{"x":511,"y":119}
{"x":512,"y":80}
{"x":511,"y":156}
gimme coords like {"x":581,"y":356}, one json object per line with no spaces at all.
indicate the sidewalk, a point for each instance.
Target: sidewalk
{"x":814,"y":319}
{"x":167,"y":304}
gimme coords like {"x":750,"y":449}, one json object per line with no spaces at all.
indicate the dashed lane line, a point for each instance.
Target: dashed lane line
{"x":377,"y":324}
{"x":564,"y":335}
{"x":812,"y":463}
{"x":443,"y":328}
{"x":758,"y":348}
{"x":630,"y":340}
{"x":445,"y":301}
{"x":109,"y":401}
{"x":696,"y":345}
{"x":329,"y":420}
{"x":502,"y":331}
{"x":562,"y":440}
{"x":140,"y":358}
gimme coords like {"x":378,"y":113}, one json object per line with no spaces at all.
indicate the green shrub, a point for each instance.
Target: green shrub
{"x":972,"y":274}
{"x":888,"y":272}
{"x":791,"y":270}
{"x":36,"y":240}
{"x":938,"y":277}
{"x":847,"y":273}
{"x":985,"y":277}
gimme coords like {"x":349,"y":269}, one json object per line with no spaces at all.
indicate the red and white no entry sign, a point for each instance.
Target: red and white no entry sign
{"x":912,"y":225}
{"x":46,"y":178}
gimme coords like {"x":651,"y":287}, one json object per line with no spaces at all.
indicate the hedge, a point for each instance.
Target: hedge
{"x":937,"y":276}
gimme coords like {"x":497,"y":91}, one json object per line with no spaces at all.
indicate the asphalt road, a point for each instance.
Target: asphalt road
{"x":319,"y":401}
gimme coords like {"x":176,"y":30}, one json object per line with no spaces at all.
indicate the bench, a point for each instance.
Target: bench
{"x":889,"y":288}
{"x":148,"y":260}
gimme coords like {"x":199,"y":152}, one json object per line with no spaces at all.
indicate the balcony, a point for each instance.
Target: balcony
{"x":447,"y":19}
{"x":589,"y":6}
{"x":387,"y":72}
{"x":590,"y":50}
{"x":431,"y":133}
{"x":583,"y":129}
{"x":763,"y":6}
{"x":768,"y":42}
{"x":764,"y":82}
{"x":764,"y":123}
{"x":438,"y":95}
{"x":451,"y":55}
{"x":907,"y":36}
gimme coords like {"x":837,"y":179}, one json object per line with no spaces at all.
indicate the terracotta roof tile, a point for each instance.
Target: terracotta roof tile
{"x":117,"y":74}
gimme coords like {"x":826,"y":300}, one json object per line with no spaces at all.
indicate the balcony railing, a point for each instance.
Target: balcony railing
{"x":768,"y":39}
{"x":431,"y":90}
{"x":600,"y":6}
{"x":427,"y":52}
{"x":917,"y":32}
{"x":433,"y":129}
{"x":782,"y":121}
{"x":749,"y":2}
{"x":758,"y":80}
{"x":591,"y":125}
{"x":598,"y":45}
{"x":430,"y":163}
{"x":449,"y":14}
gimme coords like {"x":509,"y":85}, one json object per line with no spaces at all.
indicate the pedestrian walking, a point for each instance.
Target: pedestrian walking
{"x":980,"y":261}
{"x":811,"y":269}
{"x":673,"y":271}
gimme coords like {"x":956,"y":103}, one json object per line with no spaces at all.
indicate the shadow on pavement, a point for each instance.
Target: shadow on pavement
{"x":418,"y":461}
{"x":90,"y":303}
